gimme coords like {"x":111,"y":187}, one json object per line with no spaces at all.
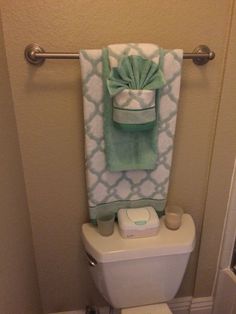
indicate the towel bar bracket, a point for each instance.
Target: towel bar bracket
{"x":31,"y":52}
{"x":36,"y":55}
{"x":203,"y":49}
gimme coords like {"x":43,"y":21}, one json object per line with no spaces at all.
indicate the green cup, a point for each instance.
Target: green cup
{"x":105,"y":223}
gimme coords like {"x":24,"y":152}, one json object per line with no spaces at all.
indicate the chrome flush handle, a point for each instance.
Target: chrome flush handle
{"x":91,"y":260}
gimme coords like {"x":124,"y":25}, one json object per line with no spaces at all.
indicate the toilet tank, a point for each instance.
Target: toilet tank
{"x":133,"y":272}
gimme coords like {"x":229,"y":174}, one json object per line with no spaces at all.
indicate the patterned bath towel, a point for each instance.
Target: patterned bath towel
{"x":113,"y":190}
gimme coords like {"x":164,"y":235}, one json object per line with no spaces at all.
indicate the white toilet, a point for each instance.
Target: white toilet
{"x":140,"y":275}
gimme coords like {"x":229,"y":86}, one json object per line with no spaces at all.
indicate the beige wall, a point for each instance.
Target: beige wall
{"x":19,"y":291}
{"x":221,"y":172}
{"x":48,"y":106}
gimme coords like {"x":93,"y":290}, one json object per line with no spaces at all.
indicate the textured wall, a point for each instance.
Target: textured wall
{"x":220,"y":175}
{"x":19,"y":291}
{"x":48,"y":107}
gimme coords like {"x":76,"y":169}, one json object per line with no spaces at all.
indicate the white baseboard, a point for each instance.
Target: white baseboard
{"x":180,"y":305}
{"x":71,"y":312}
{"x":202,"y":305}
{"x":186,"y":305}
{"x":189,"y":305}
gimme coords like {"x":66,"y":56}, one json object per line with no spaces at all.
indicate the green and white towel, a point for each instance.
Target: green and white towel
{"x":129,"y":146}
{"x":134,"y":110}
{"x":133,"y":86}
{"x":113,"y":190}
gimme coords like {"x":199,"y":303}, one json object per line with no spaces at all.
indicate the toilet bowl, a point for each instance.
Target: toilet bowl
{"x":139,"y":275}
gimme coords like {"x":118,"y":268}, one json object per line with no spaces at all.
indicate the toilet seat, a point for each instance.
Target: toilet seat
{"x":161,"y":308}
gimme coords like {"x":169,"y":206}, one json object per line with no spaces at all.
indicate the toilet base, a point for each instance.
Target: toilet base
{"x":161,"y":308}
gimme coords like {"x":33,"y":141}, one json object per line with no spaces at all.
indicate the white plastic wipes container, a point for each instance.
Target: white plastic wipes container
{"x":138,"y":222}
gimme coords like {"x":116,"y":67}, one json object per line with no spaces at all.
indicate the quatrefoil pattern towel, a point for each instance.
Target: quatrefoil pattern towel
{"x":113,"y":190}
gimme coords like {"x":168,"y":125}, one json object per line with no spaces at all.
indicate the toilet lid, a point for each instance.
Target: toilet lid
{"x":148,"y":309}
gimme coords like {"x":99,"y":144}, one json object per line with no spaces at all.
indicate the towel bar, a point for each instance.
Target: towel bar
{"x":36,"y":55}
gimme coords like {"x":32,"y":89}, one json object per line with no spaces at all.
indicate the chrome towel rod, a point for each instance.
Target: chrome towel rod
{"x":36,"y":55}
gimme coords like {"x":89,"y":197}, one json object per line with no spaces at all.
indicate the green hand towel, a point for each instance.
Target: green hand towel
{"x":126,"y":150}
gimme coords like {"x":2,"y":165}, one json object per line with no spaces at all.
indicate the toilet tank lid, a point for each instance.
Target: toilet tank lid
{"x":115,"y":248}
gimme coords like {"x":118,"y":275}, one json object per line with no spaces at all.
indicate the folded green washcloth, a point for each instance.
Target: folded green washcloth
{"x":135,"y":73}
{"x":126,"y":149}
